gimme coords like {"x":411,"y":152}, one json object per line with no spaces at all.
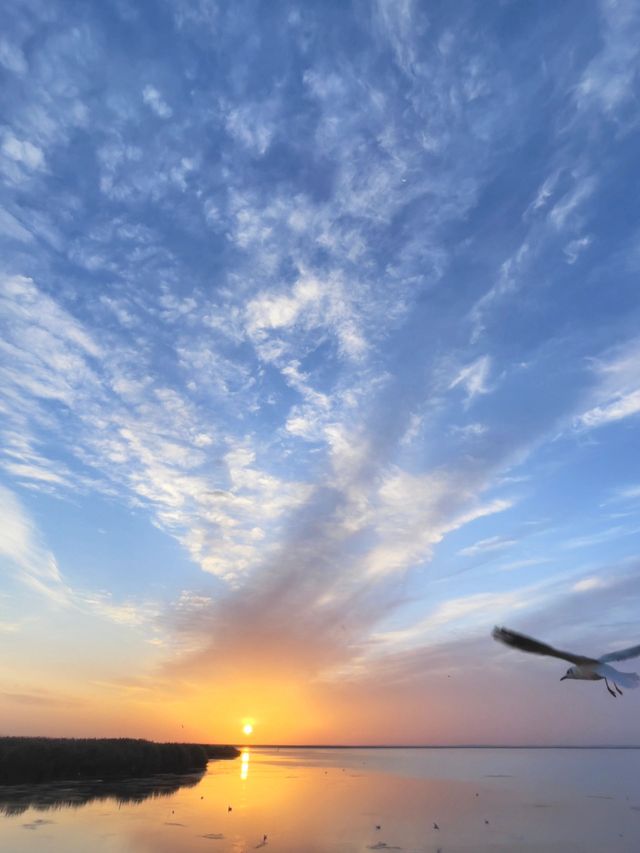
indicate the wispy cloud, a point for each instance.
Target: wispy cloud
{"x":23,"y":151}
{"x":627,"y":493}
{"x":474,"y":377}
{"x":599,"y":537}
{"x":12,"y":57}
{"x":492,"y":543}
{"x":34,"y":565}
{"x":311,"y":304}
{"x":152,"y":97}
{"x":147,"y":439}
{"x":623,"y":407}
{"x":12,"y":227}
{"x":20,"y":545}
{"x":609,"y":80}
{"x":575,"y":248}
{"x":587,"y":584}
{"x":567,"y":206}
{"x":617,"y":390}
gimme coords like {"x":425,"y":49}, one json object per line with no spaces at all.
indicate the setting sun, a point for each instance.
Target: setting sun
{"x":247,"y":728}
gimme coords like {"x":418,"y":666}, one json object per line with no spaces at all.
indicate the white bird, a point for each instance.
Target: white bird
{"x":584,"y":668}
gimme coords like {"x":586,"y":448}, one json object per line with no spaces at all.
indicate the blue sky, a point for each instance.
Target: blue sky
{"x":319,"y":352}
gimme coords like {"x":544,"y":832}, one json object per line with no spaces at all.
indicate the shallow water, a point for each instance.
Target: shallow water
{"x":332,"y":801}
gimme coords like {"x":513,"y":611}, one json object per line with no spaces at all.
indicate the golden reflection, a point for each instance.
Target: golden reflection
{"x":339,"y":798}
{"x":244,"y":764}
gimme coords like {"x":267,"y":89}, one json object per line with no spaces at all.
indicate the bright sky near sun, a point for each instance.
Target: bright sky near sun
{"x":319,"y":356}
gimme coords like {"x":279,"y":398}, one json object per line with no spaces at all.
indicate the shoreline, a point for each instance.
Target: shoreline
{"x":428,"y":746}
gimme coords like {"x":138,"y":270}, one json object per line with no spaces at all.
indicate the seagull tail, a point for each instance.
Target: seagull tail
{"x":630,"y":680}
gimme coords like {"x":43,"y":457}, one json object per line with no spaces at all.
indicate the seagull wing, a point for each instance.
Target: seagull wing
{"x":528,"y":644}
{"x":623,"y":654}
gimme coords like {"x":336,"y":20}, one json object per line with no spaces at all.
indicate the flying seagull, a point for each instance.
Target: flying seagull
{"x":585,"y":668}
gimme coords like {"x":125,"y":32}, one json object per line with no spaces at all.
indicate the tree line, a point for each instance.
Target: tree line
{"x":42,"y":759}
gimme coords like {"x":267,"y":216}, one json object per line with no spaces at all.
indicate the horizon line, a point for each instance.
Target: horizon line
{"x":430,"y":746}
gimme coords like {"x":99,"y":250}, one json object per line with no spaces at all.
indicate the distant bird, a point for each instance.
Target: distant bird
{"x":435,"y":826}
{"x":378,"y":826}
{"x":229,"y":809}
{"x":584,"y":668}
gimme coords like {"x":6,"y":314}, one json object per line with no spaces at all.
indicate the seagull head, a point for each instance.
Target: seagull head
{"x":570,"y":673}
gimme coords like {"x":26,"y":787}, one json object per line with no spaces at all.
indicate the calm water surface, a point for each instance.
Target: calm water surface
{"x":332,"y":801}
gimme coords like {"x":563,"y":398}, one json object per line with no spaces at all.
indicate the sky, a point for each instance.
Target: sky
{"x":319,"y":357}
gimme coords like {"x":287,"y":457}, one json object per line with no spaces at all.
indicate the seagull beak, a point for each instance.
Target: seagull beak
{"x":563,"y":677}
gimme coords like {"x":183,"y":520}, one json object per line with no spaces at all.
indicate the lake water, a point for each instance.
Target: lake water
{"x":334,"y":800}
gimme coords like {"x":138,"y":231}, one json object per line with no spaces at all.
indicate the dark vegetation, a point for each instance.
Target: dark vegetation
{"x":41,"y":759}
{"x":16,"y":799}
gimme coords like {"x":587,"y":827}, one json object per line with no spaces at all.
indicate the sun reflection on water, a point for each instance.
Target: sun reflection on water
{"x":244,"y":764}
